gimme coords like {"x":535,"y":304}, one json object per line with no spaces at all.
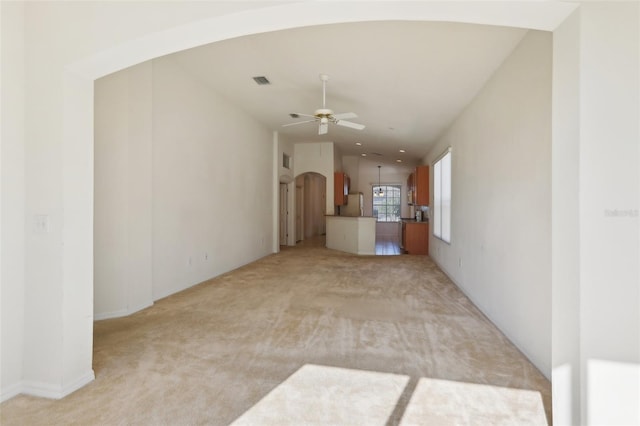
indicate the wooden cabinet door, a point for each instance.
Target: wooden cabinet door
{"x":417,"y":238}
{"x":340,"y":188}
{"x":421,"y":183}
{"x":403,"y":239}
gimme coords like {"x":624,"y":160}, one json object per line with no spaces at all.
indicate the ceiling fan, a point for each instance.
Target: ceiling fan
{"x":325,"y":116}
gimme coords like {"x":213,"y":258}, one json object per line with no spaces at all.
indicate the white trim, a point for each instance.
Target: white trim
{"x":275,"y":194}
{"x":122,"y":312}
{"x":11,"y":391}
{"x":537,"y":15}
{"x":140,"y":306}
{"x":483,"y":309}
{"x":108,"y":315}
{"x":439,"y":157}
{"x":51,"y":391}
{"x":81,"y":381}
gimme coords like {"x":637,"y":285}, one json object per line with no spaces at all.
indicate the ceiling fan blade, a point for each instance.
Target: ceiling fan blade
{"x":324,"y":128}
{"x":345,"y":115}
{"x":350,"y":124}
{"x":299,"y":114}
{"x":298,"y":122}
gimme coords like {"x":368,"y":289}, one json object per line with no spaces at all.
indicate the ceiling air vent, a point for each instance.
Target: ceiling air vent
{"x":261,"y":80}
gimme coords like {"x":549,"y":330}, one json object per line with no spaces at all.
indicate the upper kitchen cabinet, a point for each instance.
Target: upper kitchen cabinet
{"x":421,"y":186}
{"x":341,"y":183}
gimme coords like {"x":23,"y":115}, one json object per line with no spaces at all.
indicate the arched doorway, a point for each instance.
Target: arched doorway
{"x":76,"y":131}
{"x":311,"y":193}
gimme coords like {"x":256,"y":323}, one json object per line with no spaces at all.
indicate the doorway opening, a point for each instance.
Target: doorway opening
{"x":311,"y":193}
{"x":284,"y":214}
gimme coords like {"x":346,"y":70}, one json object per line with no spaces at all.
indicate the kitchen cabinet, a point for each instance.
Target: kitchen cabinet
{"x":421,"y":186}
{"x":341,"y":184}
{"x":415,"y":237}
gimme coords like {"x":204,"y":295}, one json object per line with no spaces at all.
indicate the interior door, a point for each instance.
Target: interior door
{"x":284,"y":213}
{"x":299,"y":212}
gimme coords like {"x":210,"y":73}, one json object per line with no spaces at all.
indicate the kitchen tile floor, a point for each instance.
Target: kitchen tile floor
{"x":387,"y":246}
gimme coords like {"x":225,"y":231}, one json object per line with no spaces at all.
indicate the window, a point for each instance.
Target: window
{"x":386,"y":203}
{"x":442,"y":197}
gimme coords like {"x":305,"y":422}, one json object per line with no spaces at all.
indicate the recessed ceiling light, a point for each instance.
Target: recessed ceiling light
{"x":402,"y":150}
{"x":358,"y":143}
{"x":399,"y":160}
{"x":363,"y":154}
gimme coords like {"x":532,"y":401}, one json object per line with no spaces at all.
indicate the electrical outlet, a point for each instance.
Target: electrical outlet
{"x":42,"y":224}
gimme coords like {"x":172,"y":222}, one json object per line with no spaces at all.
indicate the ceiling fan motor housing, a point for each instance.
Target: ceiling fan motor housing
{"x":323,"y":112}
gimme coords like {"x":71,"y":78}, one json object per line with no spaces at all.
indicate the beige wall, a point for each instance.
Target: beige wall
{"x":172,"y":187}
{"x":286,"y":146}
{"x":500,"y":251}
{"x":12,"y":198}
{"x":609,"y":177}
{"x":122,"y":195}
{"x":212,"y":208}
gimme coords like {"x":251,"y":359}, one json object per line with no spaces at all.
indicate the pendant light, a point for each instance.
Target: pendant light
{"x":379,"y":192}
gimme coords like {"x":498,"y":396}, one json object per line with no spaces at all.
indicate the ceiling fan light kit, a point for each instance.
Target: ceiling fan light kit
{"x":324,"y":115}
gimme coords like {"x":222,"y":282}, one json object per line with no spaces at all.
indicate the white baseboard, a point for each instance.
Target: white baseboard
{"x":140,"y":307}
{"x":11,"y":391}
{"x":485,"y":312}
{"x":122,"y":312}
{"x":109,"y":315}
{"x":52,"y":391}
{"x":79,"y":382}
{"x":44,"y":390}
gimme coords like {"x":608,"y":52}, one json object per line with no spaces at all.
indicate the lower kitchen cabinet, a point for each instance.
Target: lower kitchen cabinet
{"x":415,"y":237}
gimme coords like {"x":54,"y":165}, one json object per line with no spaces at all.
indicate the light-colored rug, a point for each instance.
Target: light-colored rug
{"x":387,"y":336}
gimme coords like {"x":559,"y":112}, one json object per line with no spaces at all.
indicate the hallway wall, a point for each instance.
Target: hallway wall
{"x":500,"y":250}
{"x":172,"y":187}
{"x":212,"y":205}
{"x":123,"y":144}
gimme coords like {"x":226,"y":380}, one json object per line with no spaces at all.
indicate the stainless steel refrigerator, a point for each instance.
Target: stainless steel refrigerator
{"x":354,"y":205}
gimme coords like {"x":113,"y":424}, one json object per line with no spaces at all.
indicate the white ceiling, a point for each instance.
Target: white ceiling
{"x":407,"y":81}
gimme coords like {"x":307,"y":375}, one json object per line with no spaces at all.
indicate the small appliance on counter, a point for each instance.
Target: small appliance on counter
{"x":419,"y":216}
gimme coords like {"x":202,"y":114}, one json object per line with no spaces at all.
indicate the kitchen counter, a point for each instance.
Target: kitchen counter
{"x":413,"y":220}
{"x":352,"y":234}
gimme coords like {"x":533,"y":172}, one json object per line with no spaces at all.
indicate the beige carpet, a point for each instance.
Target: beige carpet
{"x":307,"y":336}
